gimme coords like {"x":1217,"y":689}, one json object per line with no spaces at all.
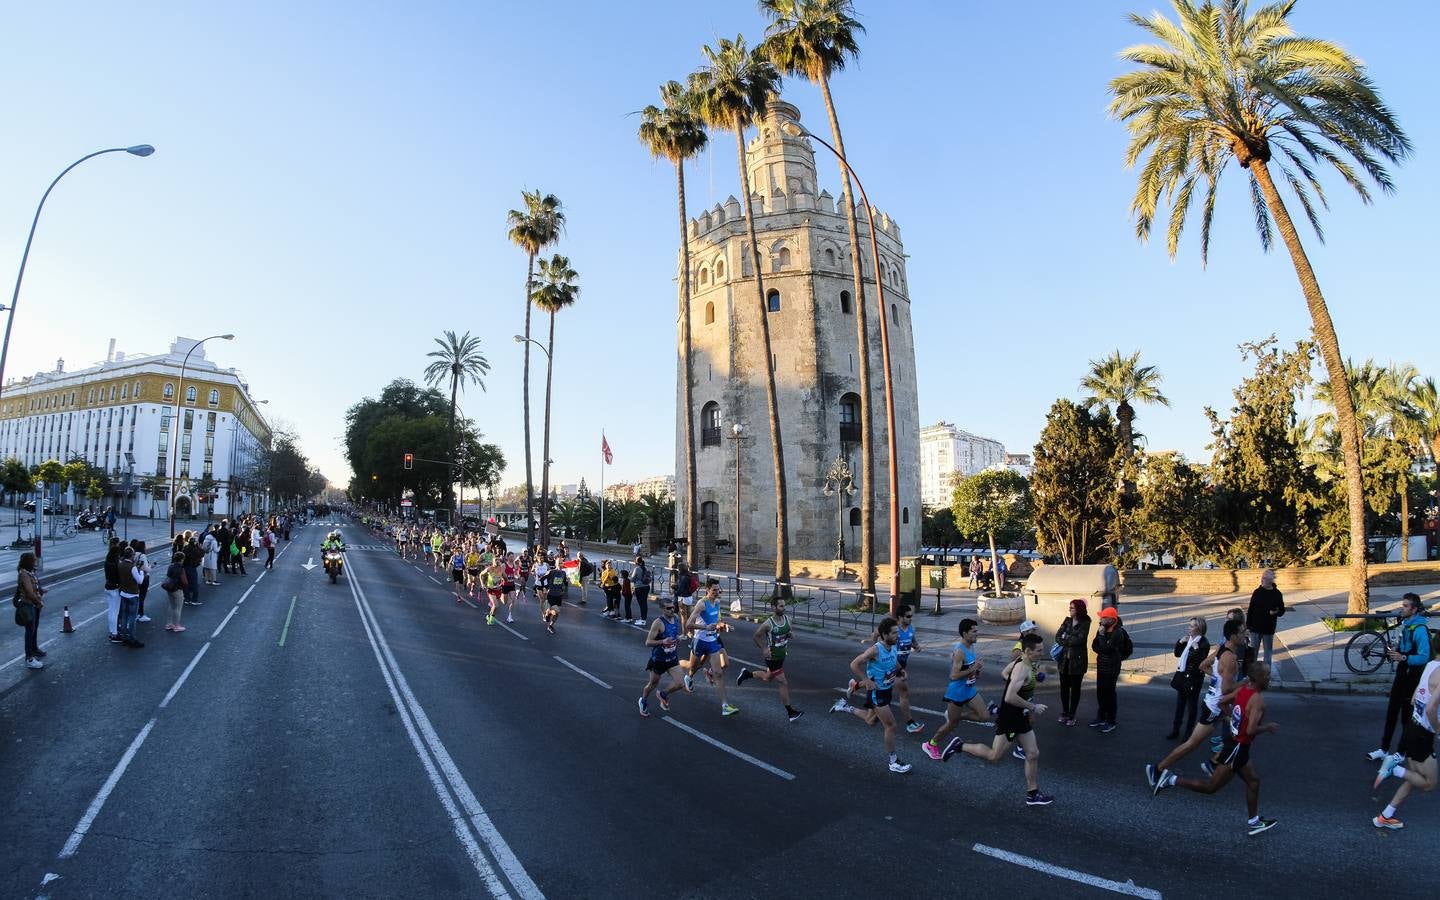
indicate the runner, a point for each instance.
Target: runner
{"x":663,"y":640}
{"x":904,"y":646}
{"x":1417,"y":743}
{"x":1247,"y":722}
{"x":437,"y":546}
{"x":555,"y":584}
{"x":1224,"y":662}
{"x":773,"y":639}
{"x":708,"y":649}
{"x":1013,"y":724}
{"x":473,"y":567}
{"x":493,"y":577}
{"x":876,"y":671}
{"x":426,"y":548}
{"x":457,"y":572}
{"x":510,"y":571}
{"x":962,"y":698}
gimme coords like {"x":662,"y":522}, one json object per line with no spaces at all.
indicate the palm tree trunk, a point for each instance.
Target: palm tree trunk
{"x":692,"y":527}
{"x":450,"y":440}
{"x":1343,"y":399}
{"x":529,"y":478}
{"x":545,"y":461}
{"x":1125,"y":418}
{"x":777,"y":449}
{"x":862,"y":343}
{"x":1405,"y":513}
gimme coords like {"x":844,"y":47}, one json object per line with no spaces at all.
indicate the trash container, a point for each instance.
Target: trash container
{"x":937,"y":578}
{"x":1049,"y":590}
{"x":909,"y":580}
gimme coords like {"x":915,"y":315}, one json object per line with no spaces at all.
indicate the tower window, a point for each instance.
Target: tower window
{"x":704,"y":277}
{"x":710,"y":425}
{"x":782,"y":261}
{"x":854,"y":516}
{"x":894,"y":315}
{"x":850,"y":419}
{"x":719,"y":269}
{"x":845,"y":306}
{"x":829,"y":257}
{"x":905,"y":515}
{"x":710,"y":313}
{"x":772,"y":301}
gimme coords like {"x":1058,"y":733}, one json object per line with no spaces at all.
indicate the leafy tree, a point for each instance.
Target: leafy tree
{"x":557,"y":291}
{"x":937,"y":529}
{"x":52,"y":472}
{"x":460,"y":360}
{"x":205,"y":487}
{"x":1073,"y":483}
{"x":1224,"y":85}
{"x":995,"y":504}
{"x":400,"y":397}
{"x":1175,"y":510}
{"x":731,"y":90}
{"x":1119,"y":382}
{"x":76,"y":471}
{"x":16,"y":478}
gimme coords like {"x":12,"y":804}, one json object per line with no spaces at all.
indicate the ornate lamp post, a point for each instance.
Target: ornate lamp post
{"x":839,"y":483}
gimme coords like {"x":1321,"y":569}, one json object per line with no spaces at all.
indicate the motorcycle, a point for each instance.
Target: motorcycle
{"x":88,"y":521}
{"x":334,"y":564}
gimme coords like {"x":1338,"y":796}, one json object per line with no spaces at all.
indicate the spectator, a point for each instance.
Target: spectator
{"x":254,"y":539}
{"x":211,"y":562}
{"x":1191,"y":650}
{"x":1073,"y":638}
{"x":194,"y":555}
{"x":112,"y":589}
{"x":973,"y":576}
{"x":610,"y":584}
{"x":29,"y":600}
{"x":1410,"y":655}
{"x":143,"y":562}
{"x":642,"y":579}
{"x":1267,"y":605}
{"x":174,"y":588}
{"x":223,"y":537}
{"x":1111,"y":645}
{"x":268,"y":541}
{"x":131,"y":578}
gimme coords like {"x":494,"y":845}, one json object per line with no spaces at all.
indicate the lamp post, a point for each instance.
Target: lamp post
{"x":137,"y":150}
{"x":530,"y":488}
{"x":179,"y":392}
{"x":840,"y":483}
{"x":794,"y":129}
{"x":736,"y":435}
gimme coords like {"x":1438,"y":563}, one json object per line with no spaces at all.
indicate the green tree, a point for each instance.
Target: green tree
{"x":814,"y":39}
{"x":674,"y":131}
{"x":459,"y":359}
{"x":556,"y":291}
{"x":937,"y":529}
{"x":16,"y":478}
{"x":76,"y":471}
{"x":731,"y":90}
{"x":1174,"y":511}
{"x":401,"y":397}
{"x":52,"y":472}
{"x":205,"y":487}
{"x":1117,"y":383}
{"x":994,"y":504}
{"x":532,"y":229}
{"x":1073,"y":483}
{"x":1224,"y":84}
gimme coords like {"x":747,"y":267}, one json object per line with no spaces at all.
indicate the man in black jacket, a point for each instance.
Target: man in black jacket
{"x":1111,"y":645}
{"x":1267,"y":605}
{"x":223,"y":536}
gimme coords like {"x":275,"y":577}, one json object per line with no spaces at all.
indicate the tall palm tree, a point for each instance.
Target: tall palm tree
{"x":557,"y":290}
{"x":532,"y":229}
{"x":676,"y":133}
{"x":814,"y":39}
{"x":1427,"y":410}
{"x":730,"y":90}
{"x":1224,"y":84}
{"x":1407,"y":426}
{"x":1119,"y":382}
{"x":459,"y":359}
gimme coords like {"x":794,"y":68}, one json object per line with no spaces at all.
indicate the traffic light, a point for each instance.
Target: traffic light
{"x":409,"y":460}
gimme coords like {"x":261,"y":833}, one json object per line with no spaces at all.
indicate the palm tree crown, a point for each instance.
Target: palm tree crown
{"x":672,"y":130}
{"x":1122,"y":381}
{"x":557,"y":289}
{"x":810,"y":37}
{"x":1225,"y":84}
{"x":458,"y":359}
{"x":733,"y":85}
{"x":539,"y":224}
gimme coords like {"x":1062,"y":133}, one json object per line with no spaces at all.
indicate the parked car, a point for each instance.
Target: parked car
{"x":30,"y":505}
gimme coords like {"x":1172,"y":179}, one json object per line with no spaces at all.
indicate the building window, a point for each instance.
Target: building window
{"x":710,"y":313}
{"x":190,"y":394}
{"x":829,"y":258}
{"x":710,"y":515}
{"x":772,"y":301}
{"x":704,"y":277}
{"x":719,"y":269}
{"x":782,"y":261}
{"x":710,"y":425}
{"x":169,"y":393}
{"x":210,"y":422}
{"x":854,"y":516}
{"x":845,"y":306}
{"x":894,"y":315}
{"x":137,"y":390}
{"x":125,"y":392}
{"x":905,"y":515}
{"x":112,"y":392}
{"x":214,"y":398}
{"x":850,"y":419}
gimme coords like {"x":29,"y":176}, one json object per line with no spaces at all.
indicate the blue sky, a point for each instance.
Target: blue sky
{"x":331,"y":183}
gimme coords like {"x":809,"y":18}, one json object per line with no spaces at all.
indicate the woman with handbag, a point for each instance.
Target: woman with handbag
{"x":29,"y":600}
{"x":1073,"y":637}
{"x":1190,"y":651}
{"x":176,"y":580}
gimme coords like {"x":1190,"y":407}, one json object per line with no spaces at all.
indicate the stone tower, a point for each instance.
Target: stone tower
{"x":805,"y":252}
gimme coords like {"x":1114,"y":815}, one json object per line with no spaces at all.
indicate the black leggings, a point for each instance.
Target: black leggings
{"x":1106,"y":695}
{"x":1070,"y":692}
{"x":1407,"y":677}
{"x":1187,"y":708}
{"x":640,"y":596}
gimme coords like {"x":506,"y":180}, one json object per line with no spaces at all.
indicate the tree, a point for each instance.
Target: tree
{"x":730,"y":90}
{"x":676,"y":133}
{"x":15,"y":477}
{"x":532,"y":229}
{"x":556,"y":292}
{"x":76,"y":471}
{"x":151,"y":485}
{"x":460,"y":360}
{"x":937,"y":529}
{"x":1114,"y":382}
{"x":814,"y":39}
{"x":400,"y":397}
{"x":1073,"y":483}
{"x":1223,"y":84}
{"x":205,"y":487}
{"x":995,"y":504}
{"x":1174,"y":511}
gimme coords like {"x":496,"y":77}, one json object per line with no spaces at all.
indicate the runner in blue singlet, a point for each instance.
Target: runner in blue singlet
{"x":707,"y":650}
{"x":876,"y":671}
{"x":962,"y":698}
{"x":663,"y":640}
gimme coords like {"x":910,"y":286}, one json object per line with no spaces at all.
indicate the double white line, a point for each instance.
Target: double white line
{"x":450,"y":786}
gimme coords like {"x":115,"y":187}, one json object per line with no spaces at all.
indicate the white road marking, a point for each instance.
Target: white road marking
{"x":244,"y":595}
{"x":434,"y":579}
{"x":225,"y":621}
{"x":574,"y":668}
{"x":511,"y":630}
{"x":175,"y":688}
{"x":913,"y":707}
{"x":83,"y":826}
{"x":261,"y":576}
{"x":739,"y":754}
{"x":1128,"y":888}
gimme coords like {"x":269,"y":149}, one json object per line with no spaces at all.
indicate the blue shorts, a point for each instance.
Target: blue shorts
{"x":963,"y":694}
{"x":708,"y":648}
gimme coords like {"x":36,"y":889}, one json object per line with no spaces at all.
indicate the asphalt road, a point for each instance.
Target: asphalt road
{"x":393,"y":744}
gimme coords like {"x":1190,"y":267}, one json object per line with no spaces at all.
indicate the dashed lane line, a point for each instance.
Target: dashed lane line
{"x":1128,"y":888}
{"x":738,"y":754}
{"x":574,"y":668}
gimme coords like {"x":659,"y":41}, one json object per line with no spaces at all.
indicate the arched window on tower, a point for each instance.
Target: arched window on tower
{"x":772,"y":301}
{"x":829,"y":258}
{"x":894,"y":315}
{"x":782,"y":261}
{"x":719,"y":269}
{"x":704,"y":277}
{"x":710,"y":313}
{"x":904,"y":515}
{"x":845,"y":306}
{"x":850,"y":419}
{"x":710,"y":424}
{"x":854,"y":517}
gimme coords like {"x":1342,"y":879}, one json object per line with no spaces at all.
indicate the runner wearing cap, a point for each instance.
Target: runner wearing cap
{"x":1026,"y":627}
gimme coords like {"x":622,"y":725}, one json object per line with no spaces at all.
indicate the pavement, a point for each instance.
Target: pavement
{"x":374,"y":738}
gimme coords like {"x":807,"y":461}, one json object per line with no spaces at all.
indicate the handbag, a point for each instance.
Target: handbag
{"x":1183,"y":682}
{"x":24,"y":615}
{"x":1056,"y":651}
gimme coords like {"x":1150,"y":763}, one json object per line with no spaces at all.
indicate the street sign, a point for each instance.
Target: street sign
{"x":407,"y":502}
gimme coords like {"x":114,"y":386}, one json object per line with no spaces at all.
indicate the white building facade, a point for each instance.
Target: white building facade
{"x":124,"y":409}
{"x":946,"y":451}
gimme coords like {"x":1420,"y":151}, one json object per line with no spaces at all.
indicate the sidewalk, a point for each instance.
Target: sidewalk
{"x":65,"y":556}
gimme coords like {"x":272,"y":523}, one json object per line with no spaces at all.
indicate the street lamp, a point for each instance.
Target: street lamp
{"x":735,"y":432}
{"x":794,"y":129}
{"x":839,"y":483}
{"x":179,"y":391}
{"x":137,"y":150}
{"x":529,"y":482}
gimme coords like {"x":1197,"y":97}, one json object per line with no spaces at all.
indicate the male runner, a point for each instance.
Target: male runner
{"x":1417,"y":743}
{"x":1224,"y":661}
{"x":876,"y":671}
{"x":962,"y":698}
{"x":707,"y":650}
{"x":426,"y":547}
{"x":437,"y":546}
{"x":473,"y":567}
{"x":493,"y":576}
{"x":1247,"y":723}
{"x":457,"y":571}
{"x":663,"y":639}
{"x":773,"y":639}
{"x":904,"y":646}
{"x":555,"y":584}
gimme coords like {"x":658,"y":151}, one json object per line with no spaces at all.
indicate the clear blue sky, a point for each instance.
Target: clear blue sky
{"x":331,"y":184}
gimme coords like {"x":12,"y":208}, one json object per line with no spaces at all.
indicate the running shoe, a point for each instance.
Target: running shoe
{"x":850,"y":688}
{"x":727,"y":710}
{"x":664,"y":700}
{"x":1376,"y":755}
{"x":840,"y":706}
{"x":931,"y":750}
{"x":1259,"y":826}
{"x":1165,"y":780}
{"x":743,"y":676}
{"x":643,"y":711}
{"x":689,"y":683}
{"x":33,"y":663}
{"x":898,"y":767}
{"x":1387,"y":767}
{"x":1384,"y":821}
{"x":1150,"y":775}
{"x":550,"y":627}
{"x":1208,"y":768}
{"x":509,"y":618}
{"x":1037,"y":798}
{"x":1108,"y":727}
{"x":795,"y":715}
{"x":1018,"y":753}
{"x":994,"y":709}
{"x":489,"y":620}
{"x":178,"y":628}
{"x":951,"y":749}
{"x":914,"y":727}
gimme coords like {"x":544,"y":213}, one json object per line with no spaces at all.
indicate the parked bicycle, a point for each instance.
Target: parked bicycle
{"x":1367,"y":651}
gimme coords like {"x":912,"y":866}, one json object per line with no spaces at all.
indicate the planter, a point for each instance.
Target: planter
{"x":1001,"y":610}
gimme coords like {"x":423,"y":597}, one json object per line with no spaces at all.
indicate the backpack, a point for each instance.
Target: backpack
{"x":1434,"y":639}
{"x":1127,"y":647}
{"x":587,"y":568}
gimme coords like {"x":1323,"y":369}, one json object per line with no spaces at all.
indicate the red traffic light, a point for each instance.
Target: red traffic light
{"x":409,"y":460}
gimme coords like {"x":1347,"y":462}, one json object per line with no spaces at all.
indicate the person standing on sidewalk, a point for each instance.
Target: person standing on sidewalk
{"x":1410,"y":656}
{"x":211,"y":563}
{"x":131,"y":577}
{"x":1111,"y":645}
{"x":143,"y":563}
{"x":223,"y":537}
{"x":640,"y":580}
{"x":1191,"y":650}
{"x":174,"y":588}
{"x":112,"y":589}
{"x":1073,"y":638}
{"x":194,"y":555}
{"x":1267,"y":605}
{"x":29,"y":600}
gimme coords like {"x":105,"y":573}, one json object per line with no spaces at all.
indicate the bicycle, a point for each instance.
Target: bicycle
{"x":1367,"y":651}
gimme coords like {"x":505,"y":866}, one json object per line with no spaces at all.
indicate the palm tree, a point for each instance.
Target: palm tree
{"x":730,"y":90}
{"x":676,"y":133}
{"x":1223,"y":84}
{"x":814,"y":39}
{"x":533,"y":229}
{"x":1118,"y":381}
{"x":1407,"y":426}
{"x":556,"y":291}
{"x":460,"y":360}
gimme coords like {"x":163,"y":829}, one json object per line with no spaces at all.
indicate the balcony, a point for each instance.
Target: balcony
{"x":710,"y":437}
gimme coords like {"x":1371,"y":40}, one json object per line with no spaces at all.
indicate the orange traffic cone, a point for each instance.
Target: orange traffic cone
{"x":67,"y":628}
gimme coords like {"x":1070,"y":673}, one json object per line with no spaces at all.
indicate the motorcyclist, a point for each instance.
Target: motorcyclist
{"x":333,"y":541}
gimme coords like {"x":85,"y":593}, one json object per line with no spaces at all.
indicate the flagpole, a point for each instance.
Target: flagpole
{"x":602,"y":485}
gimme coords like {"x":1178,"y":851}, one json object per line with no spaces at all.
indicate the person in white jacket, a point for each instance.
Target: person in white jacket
{"x":211,"y":563}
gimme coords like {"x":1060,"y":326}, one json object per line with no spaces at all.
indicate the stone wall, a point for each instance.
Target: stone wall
{"x":1297,"y":578}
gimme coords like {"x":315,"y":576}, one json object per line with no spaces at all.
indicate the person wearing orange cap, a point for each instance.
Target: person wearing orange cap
{"x":1111,"y":645}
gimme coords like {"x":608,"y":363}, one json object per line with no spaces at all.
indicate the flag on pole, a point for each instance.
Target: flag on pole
{"x":605,"y":450}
